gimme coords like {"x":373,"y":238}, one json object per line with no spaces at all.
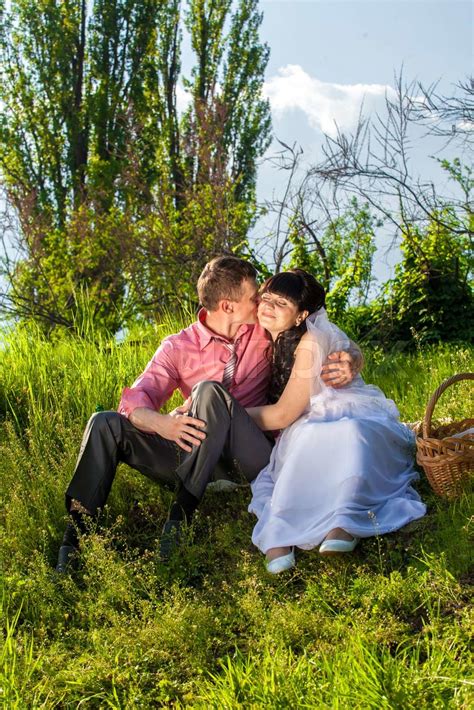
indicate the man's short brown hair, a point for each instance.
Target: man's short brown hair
{"x":222,"y":277}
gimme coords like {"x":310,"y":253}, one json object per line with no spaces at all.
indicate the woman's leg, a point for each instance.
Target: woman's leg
{"x":281,"y":559}
{"x":274,"y":552}
{"x":338,"y":541}
{"x":339,"y":534}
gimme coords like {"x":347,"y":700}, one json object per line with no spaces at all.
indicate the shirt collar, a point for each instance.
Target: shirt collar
{"x":206,"y":334}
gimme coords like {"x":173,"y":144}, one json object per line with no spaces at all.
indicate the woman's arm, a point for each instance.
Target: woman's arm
{"x":295,"y":397}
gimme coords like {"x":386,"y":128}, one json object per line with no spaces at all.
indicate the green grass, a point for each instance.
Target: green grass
{"x":388,"y":627}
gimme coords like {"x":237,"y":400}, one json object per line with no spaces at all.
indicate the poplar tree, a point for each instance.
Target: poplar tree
{"x":114,"y":188}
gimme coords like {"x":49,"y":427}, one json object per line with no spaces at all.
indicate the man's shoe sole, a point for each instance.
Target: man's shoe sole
{"x":67,"y":559}
{"x":170,"y":538}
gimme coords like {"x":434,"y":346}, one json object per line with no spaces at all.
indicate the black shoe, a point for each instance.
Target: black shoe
{"x":67,"y":559}
{"x":171,"y":536}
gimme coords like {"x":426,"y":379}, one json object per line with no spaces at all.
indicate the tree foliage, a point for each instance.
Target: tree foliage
{"x":431,"y":297}
{"x":340,"y":257}
{"x":317,"y":224}
{"x":112,"y":181}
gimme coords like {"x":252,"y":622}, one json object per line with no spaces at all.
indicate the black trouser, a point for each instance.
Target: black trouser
{"x":110,"y":438}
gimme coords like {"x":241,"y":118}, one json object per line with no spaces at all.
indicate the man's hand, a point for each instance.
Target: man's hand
{"x":339,"y":369}
{"x":181,"y":428}
{"x":176,"y":426}
{"x":183,"y":408}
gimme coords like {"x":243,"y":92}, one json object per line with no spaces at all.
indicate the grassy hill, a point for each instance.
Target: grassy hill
{"x":386,"y":627}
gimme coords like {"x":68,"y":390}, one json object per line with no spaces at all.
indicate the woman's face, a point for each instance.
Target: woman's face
{"x":277,"y":313}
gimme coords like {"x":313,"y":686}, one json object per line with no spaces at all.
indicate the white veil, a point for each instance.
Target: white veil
{"x":355,"y":399}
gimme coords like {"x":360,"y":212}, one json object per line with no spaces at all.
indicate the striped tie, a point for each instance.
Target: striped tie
{"x":229,"y":370}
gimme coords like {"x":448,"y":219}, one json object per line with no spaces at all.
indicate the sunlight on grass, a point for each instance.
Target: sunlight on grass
{"x":387,"y":627}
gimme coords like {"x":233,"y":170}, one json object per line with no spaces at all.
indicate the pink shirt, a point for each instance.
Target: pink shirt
{"x":196,"y":354}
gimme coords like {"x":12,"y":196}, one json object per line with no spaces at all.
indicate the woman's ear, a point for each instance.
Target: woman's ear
{"x":301,"y":317}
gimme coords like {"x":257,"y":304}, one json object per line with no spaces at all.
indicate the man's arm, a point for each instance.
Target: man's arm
{"x":342,"y":366}
{"x":141,"y":402}
{"x":155,"y":385}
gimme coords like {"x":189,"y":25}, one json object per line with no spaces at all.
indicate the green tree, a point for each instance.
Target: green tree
{"x":431,"y":297}
{"x":67,"y":87}
{"x":204,"y":202}
{"x":340,"y":257}
{"x":103,"y":170}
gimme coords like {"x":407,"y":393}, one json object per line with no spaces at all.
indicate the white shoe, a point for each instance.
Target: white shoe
{"x":332,"y":547}
{"x":281,"y":564}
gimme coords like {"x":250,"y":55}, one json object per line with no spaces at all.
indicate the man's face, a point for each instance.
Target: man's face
{"x":245,"y":309}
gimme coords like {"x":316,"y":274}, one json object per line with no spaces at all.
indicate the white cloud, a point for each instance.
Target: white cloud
{"x":325,"y":104}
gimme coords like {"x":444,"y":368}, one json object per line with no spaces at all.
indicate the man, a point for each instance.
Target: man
{"x":222,"y":359}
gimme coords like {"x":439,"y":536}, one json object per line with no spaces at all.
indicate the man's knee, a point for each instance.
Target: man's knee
{"x":209,"y":396}
{"x":206,"y":390}
{"x":105,"y":421}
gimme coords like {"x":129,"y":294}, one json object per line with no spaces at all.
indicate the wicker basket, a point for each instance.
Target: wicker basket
{"x":447,"y":460}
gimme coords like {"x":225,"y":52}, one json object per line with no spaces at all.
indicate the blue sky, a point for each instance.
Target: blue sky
{"x":360,"y":41}
{"x":326,"y":55}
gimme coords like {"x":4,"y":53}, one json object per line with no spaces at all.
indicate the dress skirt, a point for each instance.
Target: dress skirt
{"x":351,"y":472}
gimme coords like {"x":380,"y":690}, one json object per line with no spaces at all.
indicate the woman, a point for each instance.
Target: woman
{"x":342,"y":467}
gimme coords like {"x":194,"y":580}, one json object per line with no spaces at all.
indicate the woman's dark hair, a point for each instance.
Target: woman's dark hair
{"x":302,"y":289}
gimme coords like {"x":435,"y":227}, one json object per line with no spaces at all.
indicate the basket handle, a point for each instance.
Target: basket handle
{"x":437,"y":394}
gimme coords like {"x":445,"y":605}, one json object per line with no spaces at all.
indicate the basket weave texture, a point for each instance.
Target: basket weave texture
{"x":448,"y":461}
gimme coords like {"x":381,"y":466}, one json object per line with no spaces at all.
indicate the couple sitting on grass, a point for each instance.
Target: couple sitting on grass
{"x":257,"y":362}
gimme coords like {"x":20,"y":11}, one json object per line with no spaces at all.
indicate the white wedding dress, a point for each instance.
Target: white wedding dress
{"x":347,"y":462}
